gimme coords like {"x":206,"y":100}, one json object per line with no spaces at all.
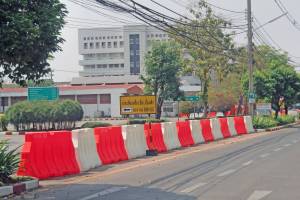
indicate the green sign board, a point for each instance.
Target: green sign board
{"x":43,"y":93}
{"x":189,"y":98}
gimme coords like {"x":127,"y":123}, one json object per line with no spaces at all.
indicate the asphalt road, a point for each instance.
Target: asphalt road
{"x":264,"y":167}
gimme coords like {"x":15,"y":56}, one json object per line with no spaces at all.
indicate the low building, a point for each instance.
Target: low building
{"x":96,"y":100}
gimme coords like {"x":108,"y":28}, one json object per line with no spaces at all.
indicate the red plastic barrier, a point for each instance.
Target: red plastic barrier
{"x":206,"y":130}
{"x":212,"y":114}
{"x":184,"y":134}
{"x":187,"y":115}
{"x":110,"y":144}
{"x":239,"y":125}
{"x":224,"y":127}
{"x":157,"y":137}
{"x":48,"y":154}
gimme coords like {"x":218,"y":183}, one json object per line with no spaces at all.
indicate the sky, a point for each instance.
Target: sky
{"x":283,"y":33}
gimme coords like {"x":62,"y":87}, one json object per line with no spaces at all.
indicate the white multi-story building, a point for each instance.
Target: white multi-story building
{"x":115,"y":51}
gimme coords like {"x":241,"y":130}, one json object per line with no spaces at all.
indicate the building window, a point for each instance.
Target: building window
{"x":103,"y":44}
{"x":122,"y":65}
{"x":87,"y":99}
{"x":104,"y":66}
{"x":121,"y":44}
{"x":84,"y":38}
{"x":88,"y":38}
{"x":156,"y":35}
{"x":134,"y":53}
{"x":152,"y":35}
{"x":120,"y":37}
{"x":116,"y":65}
{"x":85,"y":45}
{"x":92,"y":38}
{"x":160,"y":35}
{"x":111,"y":65}
{"x":100,"y":38}
{"x":115,"y":44}
{"x":116,"y":37}
{"x":105,"y":99}
{"x":97,"y":45}
{"x":91,"y":45}
{"x":109,"y":45}
{"x":108,"y":37}
{"x":96,"y":38}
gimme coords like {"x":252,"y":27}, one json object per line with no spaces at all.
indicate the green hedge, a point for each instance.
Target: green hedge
{"x":95,"y":124}
{"x":143,"y":121}
{"x":44,"y":115}
{"x":283,"y":120}
{"x":262,"y":122}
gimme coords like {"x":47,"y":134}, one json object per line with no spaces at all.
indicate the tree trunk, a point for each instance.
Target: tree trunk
{"x":205,"y":98}
{"x":159,"y":107}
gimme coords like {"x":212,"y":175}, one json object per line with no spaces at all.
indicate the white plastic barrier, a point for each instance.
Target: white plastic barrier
{"x":135,"y":141}
{"x":196,"y":131}
{"x":170,"y":135}
{"x":249,"y":125}
{"x":85,"y":149}
{"x":231,"y":127}
{"x":216,"y":128}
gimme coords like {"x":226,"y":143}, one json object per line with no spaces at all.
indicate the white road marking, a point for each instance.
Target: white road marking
{"x":192,"y":188}
{"x":227,"y":172}
{"x":286,"y":145}
{"x":259,"y":194}
{"x":278,"y":149}
{"x":105,"y":192}
{"x":295,"y":141}
{"x":247,"y":163}
{"x":264,"y":155}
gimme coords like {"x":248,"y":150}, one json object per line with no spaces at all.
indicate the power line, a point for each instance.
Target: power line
{"x":225,"y":9}
{"x":288,"y":16}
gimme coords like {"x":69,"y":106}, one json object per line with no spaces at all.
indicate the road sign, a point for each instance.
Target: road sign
{"x":42,"y":93}
{"x":192,"y":98}
{"x":130,"y":105}
{"x":251,"y":97}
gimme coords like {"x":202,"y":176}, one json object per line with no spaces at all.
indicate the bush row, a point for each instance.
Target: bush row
{"x":44,"y":115}
{"x":262,"y":122}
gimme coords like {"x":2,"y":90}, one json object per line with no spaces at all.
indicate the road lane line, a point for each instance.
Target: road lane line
{"x":104,"y":192}
{"x":264,"y":155}
{"x":227,"y":172}
{"x":259,"y":194}
{"x":192,"y":188}
{"x":247,"y":163}
{"x":287,"y":145}
{"x":278,"y":149}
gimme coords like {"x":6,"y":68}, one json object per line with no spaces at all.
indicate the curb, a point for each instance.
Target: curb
{"x":18,"y":188}
{"x":277,"y":127}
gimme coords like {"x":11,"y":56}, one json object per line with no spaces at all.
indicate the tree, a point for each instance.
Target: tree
{"x":209,"y":49}
{"x":163,"y":63}
{"x":223,"y":96}
{"x":30,"y":34}
{"x":276,"y":79}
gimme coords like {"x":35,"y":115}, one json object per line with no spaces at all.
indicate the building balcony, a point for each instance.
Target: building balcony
{"x":102,"y":61}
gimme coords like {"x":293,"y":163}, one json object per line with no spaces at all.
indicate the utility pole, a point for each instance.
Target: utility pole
{"x":250,"y":59}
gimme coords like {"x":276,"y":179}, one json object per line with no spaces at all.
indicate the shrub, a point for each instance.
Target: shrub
{"x":3,"y":122}
{"x":282,"y":120}
{"x":9,"y":161}
{"x":261,"y":122}
{"x":44,"y":115}
{"x":95,"y":124}
{"x":143,"y":121}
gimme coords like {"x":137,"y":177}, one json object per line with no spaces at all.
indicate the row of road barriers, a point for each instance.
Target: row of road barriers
{"x":60,"y":153}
